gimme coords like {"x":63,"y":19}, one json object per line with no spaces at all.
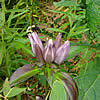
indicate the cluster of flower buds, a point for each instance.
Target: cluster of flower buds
{"x":53,"y":51}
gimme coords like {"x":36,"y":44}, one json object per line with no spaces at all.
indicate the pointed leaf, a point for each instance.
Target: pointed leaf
{"x":74,"y":50}
{"x":15,"y":91}
{"x":19,"y":14}
{"x":89,"y":82}
{"x":58,"y":91}
{"x":1,"y":52}
{"x":19,"y":44}
{"x":93,"y":16}
{"x":6,"y":87}
{"x":70,"y":86}
{"x":23,"y":73}
{"x":56,"y":30}
{"x":66,"y":3}
{"x":49,"y":75}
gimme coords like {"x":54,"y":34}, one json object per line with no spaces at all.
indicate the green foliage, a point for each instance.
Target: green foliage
{"x":66,"y":3}
{"x":15,"y":18}
{"x":75,"y":50}
{"x":1,"y":53}
{"x":6,"y":87}
{"x":97,"y":2}
{"x":58,"y":91}
{"x":93,"y":15}
{"x":83,"y":26}
{"x":19,"y":44}
{"x":56,"y":30}
{"x":11,"y":92}
{"x":91,"y":80}
{"x":41,"y":79}
{"x":76,"y":18}
{"x":23,"y":73}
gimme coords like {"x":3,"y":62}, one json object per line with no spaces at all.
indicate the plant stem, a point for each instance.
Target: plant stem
{"x":46,"y":72}
{"x":5,"y":53}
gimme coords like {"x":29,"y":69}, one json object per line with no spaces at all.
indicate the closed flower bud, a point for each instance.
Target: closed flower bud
{"x":37,"y":40}
{"x":32,"y":43}
{"x":53,"y":51}
{"x":34,"y":39}
{"x":39,"y":53}
{"x":57,"y":41}
{"x":49,"y":52}
{"x":62,"y":52}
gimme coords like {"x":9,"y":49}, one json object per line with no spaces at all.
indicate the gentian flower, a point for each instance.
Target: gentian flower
{"x":53,"y":51}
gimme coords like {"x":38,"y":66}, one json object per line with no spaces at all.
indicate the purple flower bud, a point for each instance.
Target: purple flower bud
{"x":57,"y":41}
{"x":34,"y":39}
{"x":32,"y":43}
{"x":39,"y":98}
{"x":49,"y":52}
{"x":52,"y":52}
{"x":62,"y":52}
{"x":39,"y":53}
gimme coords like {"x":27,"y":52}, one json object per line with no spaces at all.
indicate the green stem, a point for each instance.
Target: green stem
{"x":5,"y":53}
{"x":45,"y":72}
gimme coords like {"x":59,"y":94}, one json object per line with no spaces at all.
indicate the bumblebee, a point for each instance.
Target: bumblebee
{"x":33,"y":28}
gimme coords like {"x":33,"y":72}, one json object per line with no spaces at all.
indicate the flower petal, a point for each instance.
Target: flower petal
{"x":32,"y":43}
{"x":37,"y":40}
{"x":39,"y":53}
{"x":62,"y":52}
{"x":49,"y":52}
{"x":57,"y":41}
{"x":34,"y":39}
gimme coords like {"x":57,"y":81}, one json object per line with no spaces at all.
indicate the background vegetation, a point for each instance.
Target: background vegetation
{"x":77,"y":20}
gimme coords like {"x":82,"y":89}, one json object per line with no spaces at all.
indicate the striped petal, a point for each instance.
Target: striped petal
{"x":62,"y":52}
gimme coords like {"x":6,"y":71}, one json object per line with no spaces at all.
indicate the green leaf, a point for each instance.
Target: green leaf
{"x":89,"y":82}
{"x":78,"y":32}
{"x":63,"y":25}
{"x":3,"y":5}
{"x":66,"y":3}
{"x":2,"y":18}
{"x":1,"y":52}
{"x":23,"y":73}
{"x":93,"y":16}
{"x":20,"y":44}
{"x":10,"y":92}
{"x":17,"y":15}
{"x":6,"y":87}
{"x":10,"y":18}
{"x":15,"y":10}
{"x":96,"y":2}
{"x":74,"y":50}
{"x":69,"y":85}
{"x":57,"y":11}
{"x":56,"y":30}
{"x":15,"y":91}
{"x":41,"y":79}
{"x":58,"y":91}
